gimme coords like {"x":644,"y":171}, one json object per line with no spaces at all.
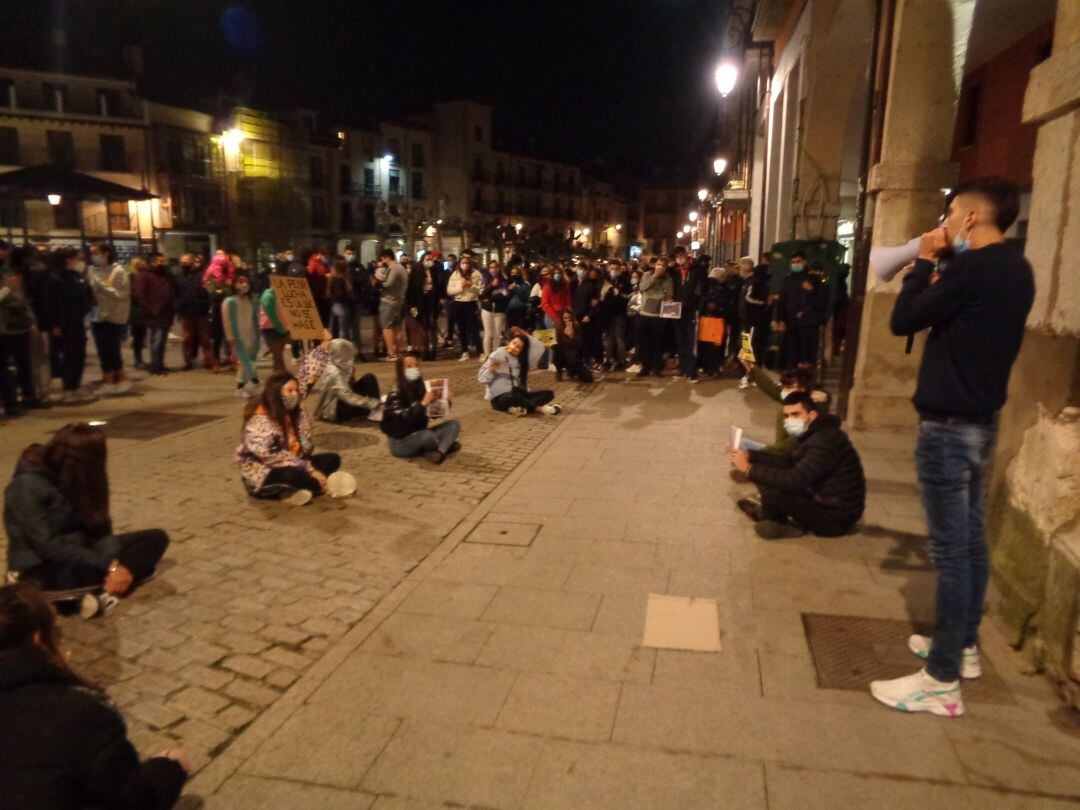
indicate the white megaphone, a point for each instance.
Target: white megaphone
{"x":886,"y":262}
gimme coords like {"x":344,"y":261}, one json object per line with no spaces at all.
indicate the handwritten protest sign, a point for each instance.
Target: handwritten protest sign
{"x":711,"y":330}
{"x":441,"y":405}
{"x":297,"y":308}
{"x":747,"y":351}
{"x":545,"y":336}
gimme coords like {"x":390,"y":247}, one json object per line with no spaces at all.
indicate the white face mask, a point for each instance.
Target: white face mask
{"x":242,"y":289}
{"x":795,"y":426}
{"x":412,"y":373}
{"x":290,"y":401}
{"x":98,"y":260}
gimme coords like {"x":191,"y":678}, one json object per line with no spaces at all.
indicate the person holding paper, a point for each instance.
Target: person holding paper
{"x":406,"y":418}
{"x":569,"y":348}
{"x":819,"y":487}
{"x":656,"y":288}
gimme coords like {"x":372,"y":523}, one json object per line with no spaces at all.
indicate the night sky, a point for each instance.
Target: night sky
{"x":623,"y":84}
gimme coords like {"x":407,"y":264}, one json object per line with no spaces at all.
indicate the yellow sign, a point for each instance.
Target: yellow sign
{"x":747,"y":351}
{"x":296,"y":307}
{"x":545,"y":336}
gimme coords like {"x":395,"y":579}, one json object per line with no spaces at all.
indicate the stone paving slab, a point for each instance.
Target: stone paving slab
{"x":520,"y":720}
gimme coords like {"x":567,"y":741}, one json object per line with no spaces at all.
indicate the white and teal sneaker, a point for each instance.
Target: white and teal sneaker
{"x":969,"y":664}
{"x":920,"y":693}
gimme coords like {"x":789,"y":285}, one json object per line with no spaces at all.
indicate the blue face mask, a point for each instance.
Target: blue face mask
{"x":960,"y":244}
{"x":557,"y":278}
{"x":797,"y":267}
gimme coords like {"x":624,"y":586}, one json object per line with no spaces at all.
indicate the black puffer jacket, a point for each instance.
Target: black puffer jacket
{"x":66,"y":748}
{"x":192,"y":298}
{"x":405,"y":415}
{"x":824,"y":465}
{"x":42,"y":525}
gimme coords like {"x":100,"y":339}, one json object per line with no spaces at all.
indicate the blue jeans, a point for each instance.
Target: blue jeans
{"x":952,"y":462}
{"x":438,"y":438}
{"x":156,"y":336}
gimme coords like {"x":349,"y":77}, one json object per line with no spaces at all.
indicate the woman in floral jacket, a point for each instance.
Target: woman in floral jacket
{"x":277,"y":458}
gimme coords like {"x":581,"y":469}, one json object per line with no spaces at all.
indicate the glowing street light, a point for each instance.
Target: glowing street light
{"x":388,"y":157}
{"x":438,"y":222}
{"x":702,"y":194}
{"x":518,"y":227}
{"x":586,"y":231}
{"x":695,"y":245}
{"x":686,"y":229}
{"x":719,"y":166}
{"x":727,"y":74}
{"x":618,"y":227}
{"x":231,"y":139}
{"x":54,"y":199}
{"x":693,"y":216}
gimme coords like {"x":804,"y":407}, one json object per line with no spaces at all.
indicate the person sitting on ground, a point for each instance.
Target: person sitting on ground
{"x":505,"y":375}
{"x":277,"y":454}
{"x":240,"y":319}
{"x":818,"y":487}
{"x":65,"y":745}
{"x":406,"y":416}
{"x":789,"y":382}
{"x":340,"y":397}
{"x":60,"y":533}
{"x":569,"y":346}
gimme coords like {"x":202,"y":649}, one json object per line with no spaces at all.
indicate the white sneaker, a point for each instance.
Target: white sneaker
{"x":744,"y":383}
{"x":464,"y":357}
{"x":551,"y":410}
{"x":106,"y":390}
{"x":122,"y":387}
{"x":920,"y":693}
{"x":93,"y":605}
{"x":517,"y":410}
{"x":634,"y":369}
{"x":67,"y":397}
{"x":482,"y":358}
{"x":969,"y":664}
{"x":243,"y":392}
{"x":298,"y":498}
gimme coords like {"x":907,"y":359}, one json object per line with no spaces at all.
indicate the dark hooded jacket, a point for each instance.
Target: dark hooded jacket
{"x":66,"y":748}
{"x":42,"y":525}
{"x":823,"y":465}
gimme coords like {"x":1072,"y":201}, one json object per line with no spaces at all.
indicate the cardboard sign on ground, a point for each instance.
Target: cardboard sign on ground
{"x":682,"y":623}
{"x":297,"y":308}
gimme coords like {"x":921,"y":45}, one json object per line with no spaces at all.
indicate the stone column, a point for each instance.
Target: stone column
{"x":906,"y":185}
{"x":1034,"y":523}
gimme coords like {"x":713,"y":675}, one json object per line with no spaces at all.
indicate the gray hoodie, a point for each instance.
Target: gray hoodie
{"x":334,"y":385}
{"x":112,"y":293}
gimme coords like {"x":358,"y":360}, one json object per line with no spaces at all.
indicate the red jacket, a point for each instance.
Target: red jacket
{"x":553,"y":300}
{"x":319,"y":278}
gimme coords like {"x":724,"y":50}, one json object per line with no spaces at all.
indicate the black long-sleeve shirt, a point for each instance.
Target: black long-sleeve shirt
{"x":976,"y":314}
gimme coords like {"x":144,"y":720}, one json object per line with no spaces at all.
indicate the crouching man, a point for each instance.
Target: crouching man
{"x":819,"y":487}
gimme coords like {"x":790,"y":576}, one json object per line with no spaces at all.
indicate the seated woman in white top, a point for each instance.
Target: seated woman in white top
{"x":505,"y":375}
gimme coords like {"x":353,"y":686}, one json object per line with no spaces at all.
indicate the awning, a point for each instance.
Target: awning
{"x":37,"y":182}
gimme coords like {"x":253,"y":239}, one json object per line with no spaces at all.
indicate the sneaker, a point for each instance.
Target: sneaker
{"x":775,"y":530}
{"x":969,"y":664}
{"x":693,"y":380}
{"x":453,"y":448}
{"x":751,"y":508}
{"x":67,"y":397}
{"x":517,"y":410}
{"x":390,"y":358}
{"x":434,"y":456}
{"x":243,"y":392}
{"x":106,"y":390}
{"x":464,"y":357}
{"x":634,"y":369}
{"x":551,"y":410}
{"x":93,"y":605}
{"x":482,"y":358}
{"x":920,"y":693}
{"x":298,"y":497}
{"x":122,"y":387}
{"x":744,"y":383}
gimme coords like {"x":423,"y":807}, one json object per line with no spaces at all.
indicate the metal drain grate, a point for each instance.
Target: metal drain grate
{"x":851,"y":651}
{"x":143,"y":425}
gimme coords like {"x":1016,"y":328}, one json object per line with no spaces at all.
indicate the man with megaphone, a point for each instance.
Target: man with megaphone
{"x":975,"y":309}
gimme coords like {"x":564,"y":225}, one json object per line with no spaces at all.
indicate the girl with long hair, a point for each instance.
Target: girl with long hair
{"x":570,"y":348}
{"x":240,"y":319}
{"x":64,"y":744}
{"x":342,"y":300}
{"x":277,"y":453}
{"x":505,"y":377}
{"x":405,"y":419}
{"x":494,"y":297}
{"x":60,"y":533}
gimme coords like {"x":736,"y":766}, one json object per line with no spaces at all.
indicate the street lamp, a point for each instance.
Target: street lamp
{"x":518,"y":227}
{"x":702,"y":194}
{"x":686,"y":229}
{"x":719,"y":166}
{"x":231,"y":139}
{"x":586,"y":231}
{"x":693,"y":216}
{"x":618,"y":227}
{"x":727,"y":74}
{"x":54,"y":199}
{"x":388,"y":157}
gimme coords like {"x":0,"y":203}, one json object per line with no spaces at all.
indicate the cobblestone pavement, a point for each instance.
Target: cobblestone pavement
{"x":251,"y":593}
